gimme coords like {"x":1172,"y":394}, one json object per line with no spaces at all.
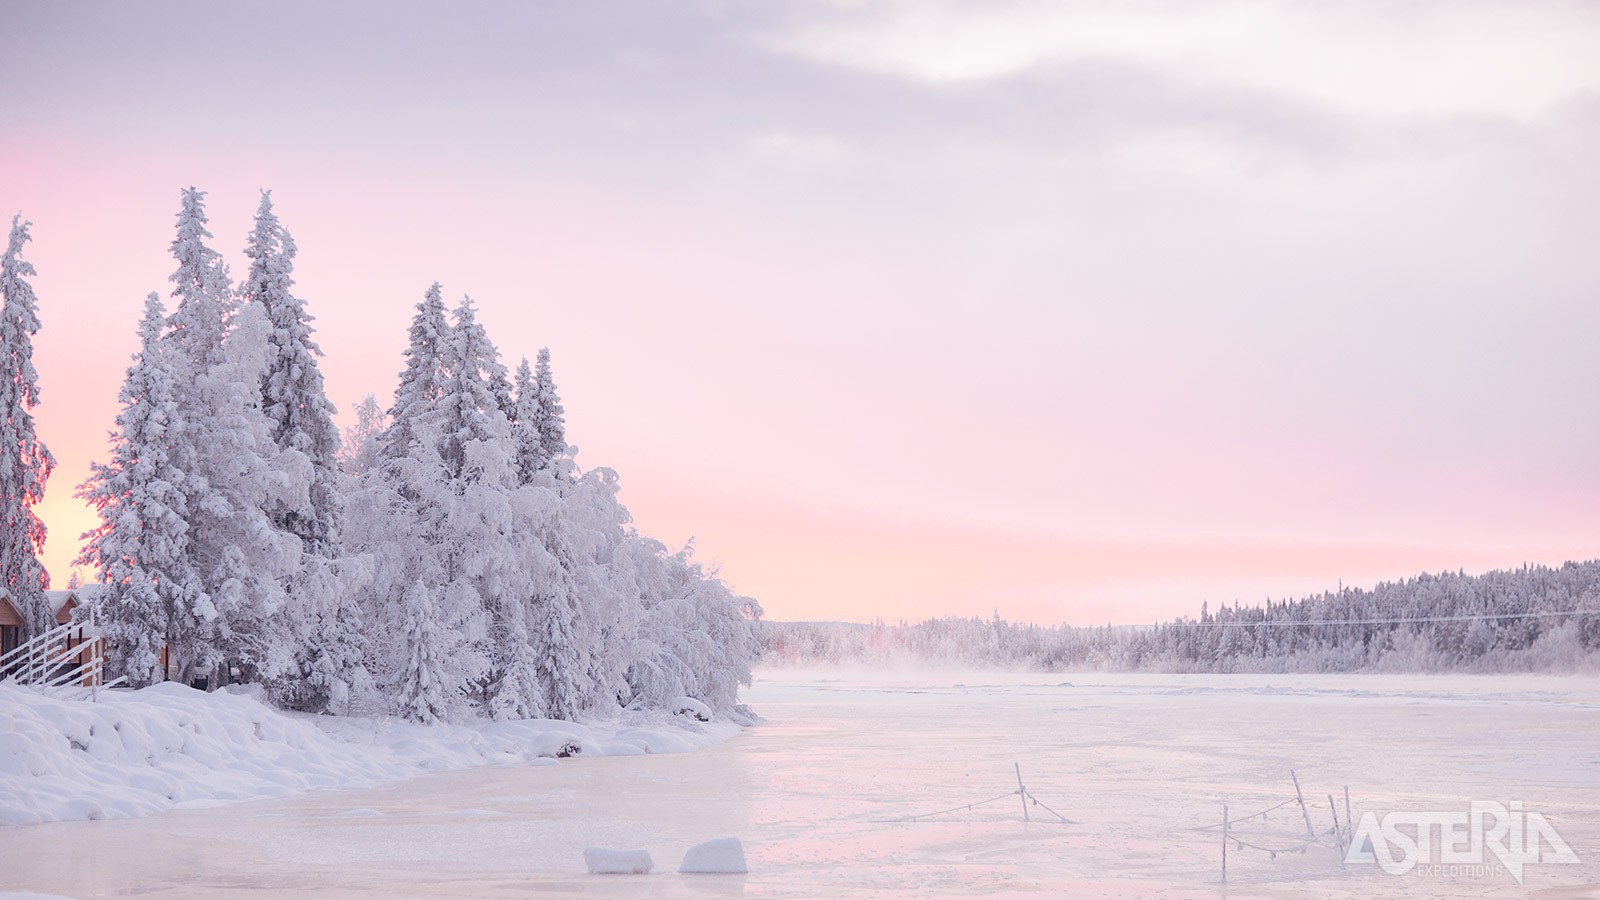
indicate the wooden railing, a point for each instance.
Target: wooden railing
{"x":52,"y":662}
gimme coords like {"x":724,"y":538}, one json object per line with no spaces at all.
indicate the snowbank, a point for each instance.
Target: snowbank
{"x":723,"y":856}
{"x":603,"y":861}
{"x":689,"y":706}
{"x":138,"y":752}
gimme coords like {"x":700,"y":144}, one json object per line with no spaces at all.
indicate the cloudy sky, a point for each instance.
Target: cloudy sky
{"x":1074,"y":311}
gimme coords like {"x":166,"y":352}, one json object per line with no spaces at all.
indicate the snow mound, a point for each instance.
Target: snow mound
{"x":137,"y":752}
{"x":723,"y":856}
{"x":689,"y":706}
{"x":602,"y":861}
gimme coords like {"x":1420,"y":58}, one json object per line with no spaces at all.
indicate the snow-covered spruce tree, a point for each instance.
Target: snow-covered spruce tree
{"x":415,"y":518}
{"x":321,"y":622}
{"x":552,"y":427}
{"x":203,"y":288}
{"x":237,"y":474}
{"x":525,"y":437}
{"x":556,"y":627}
{"x":292,"y":395}
{"x":25,"y":462}
{"x":500,"y":387}
{"x":485,"y":514}
{"x":140,"y":550}
{"x":427,"y":684}
{"x":513,"y":687}
{"x":389,"y":519}
{"x":551,"y":607}
{"x":423,"y":377}
{"x":391,"y":511}
{"x":476,"y":432}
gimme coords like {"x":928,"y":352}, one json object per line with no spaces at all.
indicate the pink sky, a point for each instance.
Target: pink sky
{"x":902,"y":310}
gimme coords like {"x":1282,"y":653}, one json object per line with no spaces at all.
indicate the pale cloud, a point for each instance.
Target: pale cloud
{"x":1514,"y":59}
{"x":800,"y":150}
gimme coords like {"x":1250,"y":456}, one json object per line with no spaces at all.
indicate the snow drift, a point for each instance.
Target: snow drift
{"x":137,"y":752}
{"x":603,"y":861}
{"x":723,"y":856}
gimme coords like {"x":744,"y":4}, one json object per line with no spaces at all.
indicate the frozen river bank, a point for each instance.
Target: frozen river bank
{"x":1137,"y":762}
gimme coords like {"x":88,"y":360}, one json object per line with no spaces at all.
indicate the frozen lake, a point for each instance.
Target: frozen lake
{"x":819,"y":795}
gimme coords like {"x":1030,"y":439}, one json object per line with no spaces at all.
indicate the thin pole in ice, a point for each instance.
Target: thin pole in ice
{"x":1349,"y":823}
{"x":1310,"y":832}
{"x":1021,"y":791}
{"x":1224,"y":843}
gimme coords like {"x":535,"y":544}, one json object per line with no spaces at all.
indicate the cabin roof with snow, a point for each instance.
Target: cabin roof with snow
{"x":62,"y":603}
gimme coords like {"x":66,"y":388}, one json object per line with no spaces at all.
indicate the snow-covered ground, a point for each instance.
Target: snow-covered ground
{"x":136,"y":752}
{"x":820,"y":795}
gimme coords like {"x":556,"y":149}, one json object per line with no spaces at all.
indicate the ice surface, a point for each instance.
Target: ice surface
{"x":602,"y":861}
{"x":723,"y":856}
{"x":815,"y":794}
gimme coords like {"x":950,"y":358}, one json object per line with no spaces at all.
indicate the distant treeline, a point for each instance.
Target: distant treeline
{"x":1533,"y":618}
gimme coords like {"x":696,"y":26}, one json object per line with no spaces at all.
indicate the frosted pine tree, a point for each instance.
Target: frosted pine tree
{"x":476,"y":432}
{"x":525,"y":437}
{"x":292,"y":395}
{"x":426,"y":689}
{"x":553,"y":610}
{"x":397,"y":505}
{"x":192,"y":346}
{"x":514,"y":690}
{"x":423,"y":377}
{"x":557,"y":630}
{"x":140,"y":550}
{"x":202,"y":286}
{"x":552,"y":426}
{"x":480,"y":530}
{"x":323,"y":628}
{"x":428,"y":517}
{"x":25,"y":462}
{"x":500,"y":387}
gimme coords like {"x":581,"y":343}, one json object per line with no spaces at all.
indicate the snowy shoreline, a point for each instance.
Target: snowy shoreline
{"x":133,"y":753}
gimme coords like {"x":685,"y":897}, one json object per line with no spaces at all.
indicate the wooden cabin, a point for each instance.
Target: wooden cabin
{"x":63,"y":606}
{"x":10,"y":624}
